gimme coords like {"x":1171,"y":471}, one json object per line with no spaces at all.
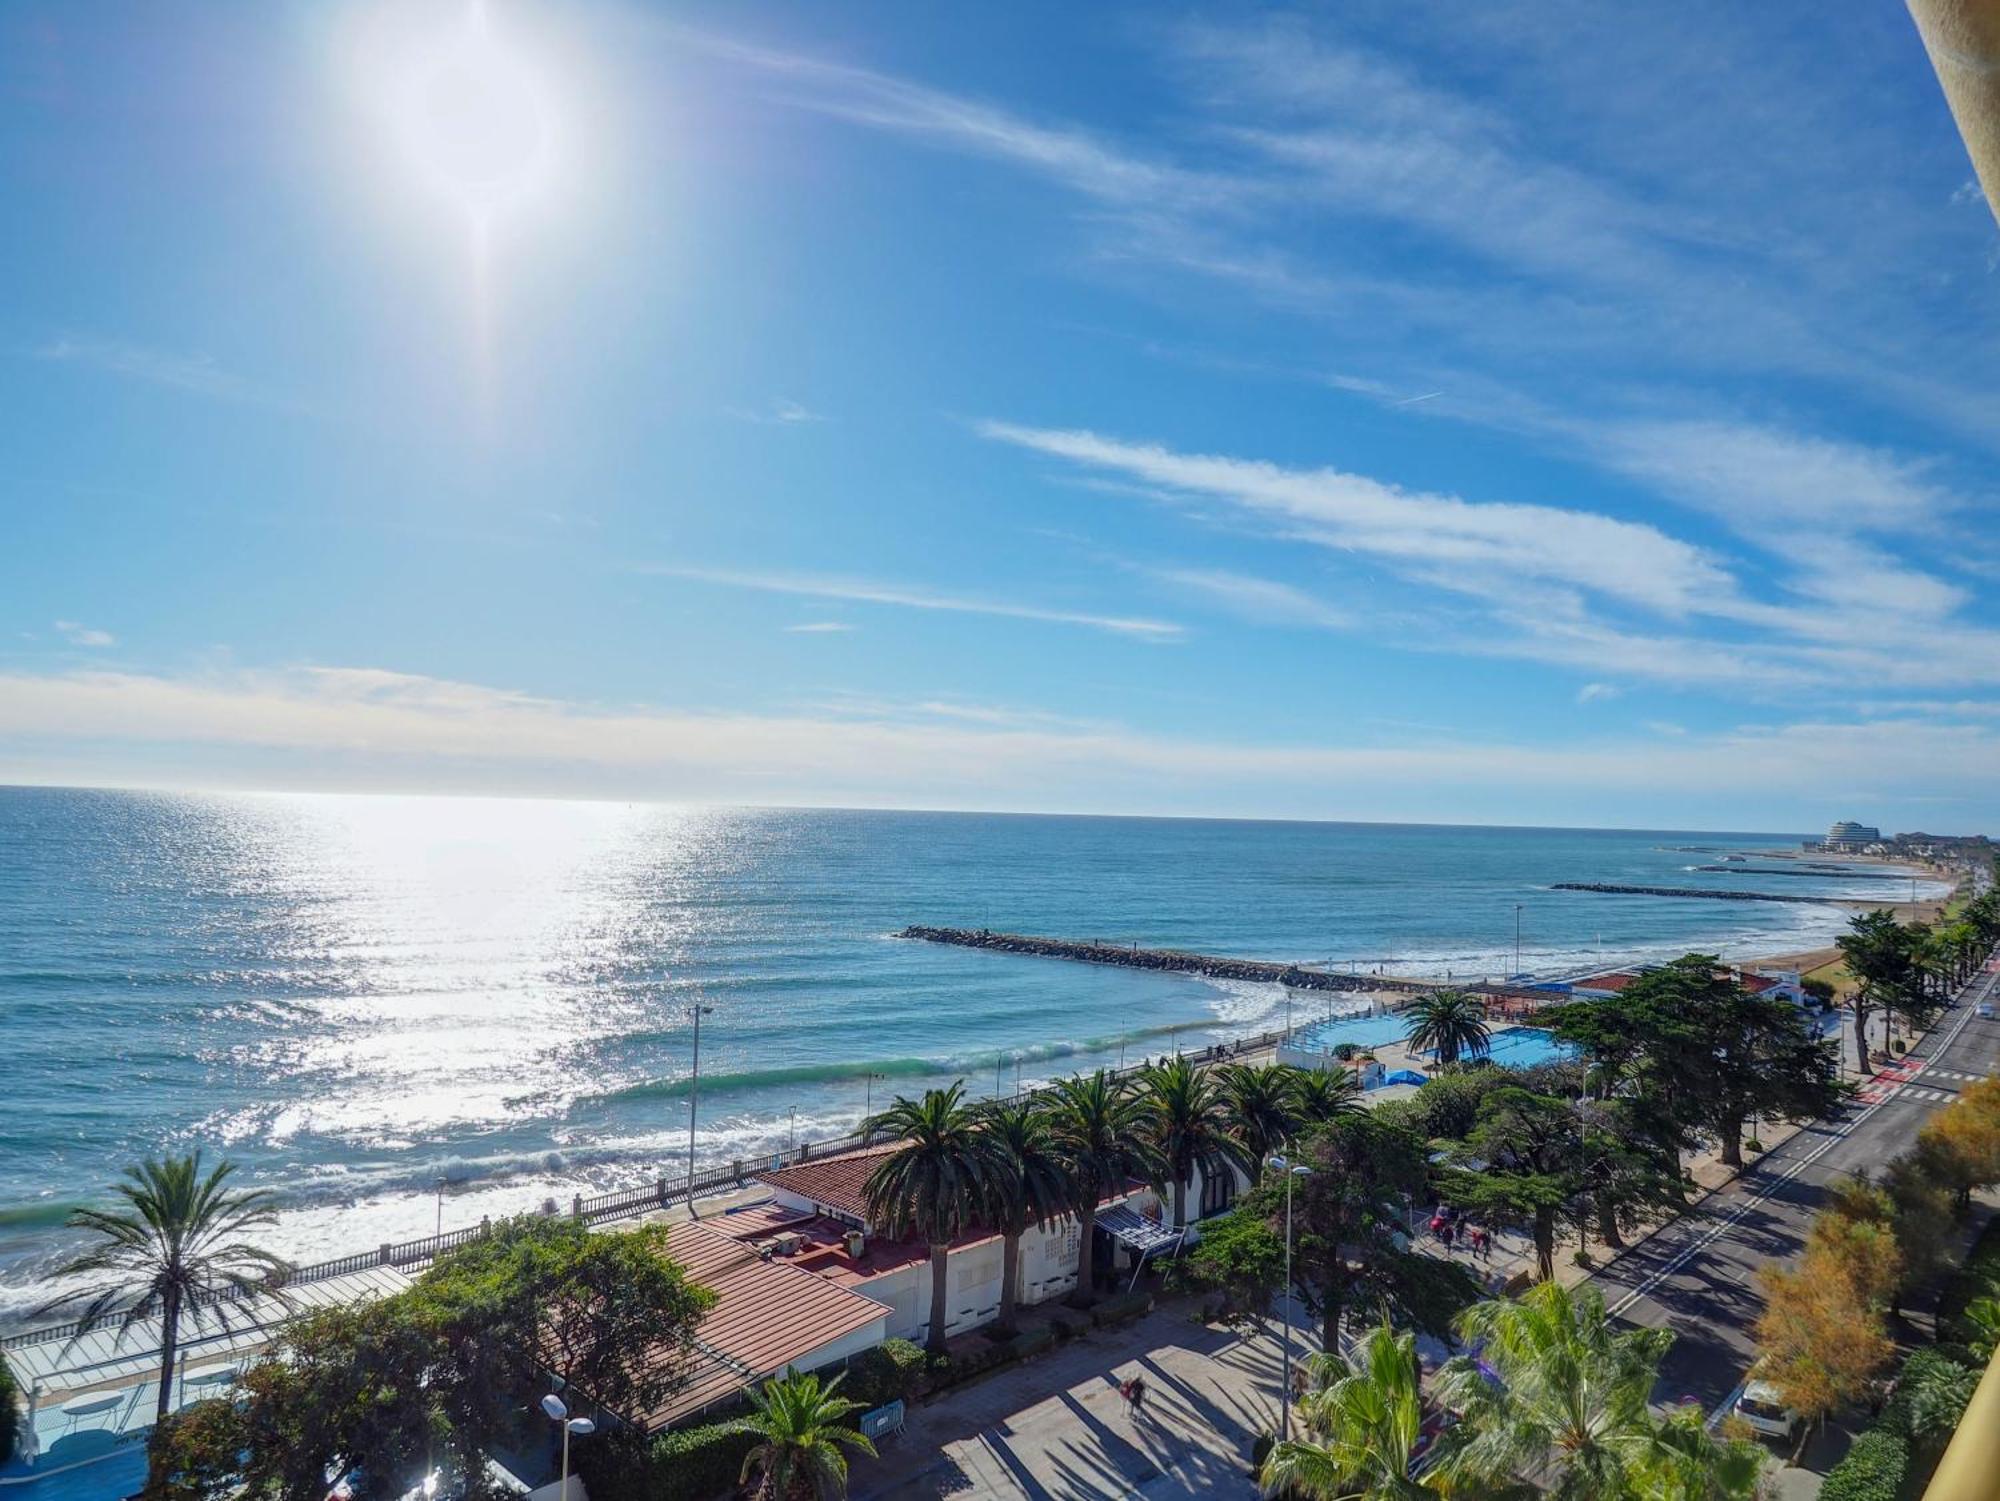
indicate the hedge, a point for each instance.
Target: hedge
{"x":684,"y":1464}
{"x":887,"y":1373}
{"x":10,"y":1417}
{"x":1872,"y":1471}
{"x":1121,"y":1309}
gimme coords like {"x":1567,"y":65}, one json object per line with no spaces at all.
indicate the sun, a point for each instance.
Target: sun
{"x":474,"y":118}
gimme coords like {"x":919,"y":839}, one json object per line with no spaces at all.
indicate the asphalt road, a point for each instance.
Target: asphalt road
{"x":1698,"y":1276}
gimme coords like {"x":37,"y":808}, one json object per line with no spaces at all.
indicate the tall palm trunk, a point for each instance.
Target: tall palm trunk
{"x":940,"y":1260}
{"x":1082,"y":1296}
{"x":1545,"y":1243}
{"x":1010,"y":1276}
{"x":1329,"y":1324}
{"x":170,"y":1339}
{"x":1180,"y":1201}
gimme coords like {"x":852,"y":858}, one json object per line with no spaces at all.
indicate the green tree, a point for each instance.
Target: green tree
{"x":1877,"y":950}
{"x":1361,"y":1430}
{"x":196,"y":1453}
{"x":1261,"y":1103}
{"x":170,"y":1248}
{"x":1030,"y":1187}
{"x":1320,"y":1094}
{"x":1523,"y":1163}
{"x":1450,"y":1023}
{"x":801,"y":1428}
{"x":1240,"y":1256}
{"x":1350,"y":1247}
{"x":1191,"y":1126}
{"x":943,"y":1176}
{"x":609,"y":1313}
{"x":1557,"y":1391}
{"x":1102,"y":1133}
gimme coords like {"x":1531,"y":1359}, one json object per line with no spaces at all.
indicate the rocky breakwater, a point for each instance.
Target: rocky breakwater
{"x":1130,"y":956}
{"x":1693,"y":891}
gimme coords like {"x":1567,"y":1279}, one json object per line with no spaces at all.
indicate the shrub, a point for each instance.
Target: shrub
{"x":1752,"y":1144}
{"x":195,"y":1454}
{"x":1032,"y":1342}
{"x":1121,"y":1309}
{"x":887,"y":1373}
{"x":1344,"y":1051}
{"x":1063,"y":1328}
{"x":1872,"y":1471}
{"x":685,"y":1464}
{"x":8,"y":1412}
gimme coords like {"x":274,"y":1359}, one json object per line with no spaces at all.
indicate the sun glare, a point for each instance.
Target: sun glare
{"x":475,"y":120}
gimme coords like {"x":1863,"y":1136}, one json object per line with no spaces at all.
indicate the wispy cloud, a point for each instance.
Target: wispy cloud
{"x":862,"y":591}
{"x":819,"y":628}
{"x":779,"y":413}
{"x":365,"y":726}
{"x":191,"y":374}
{"x":78,"y":634}
{"x":1260,"y":600}
{"x":1591,"y":693}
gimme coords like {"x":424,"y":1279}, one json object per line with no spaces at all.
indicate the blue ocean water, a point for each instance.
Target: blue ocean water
{"x":361,"y":998}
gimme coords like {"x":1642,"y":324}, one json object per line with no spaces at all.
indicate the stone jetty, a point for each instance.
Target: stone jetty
{"x":1131,"y":956}
{"x":1779,"y":870}
{"x":1707,"y":896}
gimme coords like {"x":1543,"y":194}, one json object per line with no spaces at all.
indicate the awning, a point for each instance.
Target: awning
{"x":1135,"y":1231}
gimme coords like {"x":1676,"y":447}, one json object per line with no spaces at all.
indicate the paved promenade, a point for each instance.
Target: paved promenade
{"x":1056,"y":1428}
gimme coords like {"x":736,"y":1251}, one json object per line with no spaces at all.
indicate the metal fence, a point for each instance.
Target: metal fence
{"x":599,"y":1208}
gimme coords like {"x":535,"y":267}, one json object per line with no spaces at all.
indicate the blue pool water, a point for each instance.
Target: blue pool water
{"x":1523,"y":1047}
{"x":1362,"y":1031}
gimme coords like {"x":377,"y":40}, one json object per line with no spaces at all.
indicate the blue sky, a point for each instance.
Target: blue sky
{"x":1518,"y":414}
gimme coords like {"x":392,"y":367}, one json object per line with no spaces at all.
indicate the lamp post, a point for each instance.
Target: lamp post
{"x":440,"y":1215}
{"x":867,"y":1096}
{"x":792,"y":1132}
{"x":1517,"y":939}
{"x":1290,"y":1171}
{"x":558,"y":1412}
{"x":694,"y":1105}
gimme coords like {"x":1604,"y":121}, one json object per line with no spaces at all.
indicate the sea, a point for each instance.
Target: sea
{"x":400,"y":1013}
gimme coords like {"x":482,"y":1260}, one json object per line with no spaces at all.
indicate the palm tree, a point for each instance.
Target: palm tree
{"x":1318,"y":1095}
{"x":1362,"y":1426}
{"x":1262,"y":1104}
{"x":1449,"y":1022}
{"x":1100,"y":1131}
{"x":169,"y":1249}
{"x":1192,"y":1128}
{"x":1032,"y":1186}
{"x":800,"y":1424}
{"x":936,"y":1183}
{"x":1556,"y":1390}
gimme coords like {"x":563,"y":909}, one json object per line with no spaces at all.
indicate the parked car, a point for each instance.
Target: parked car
{"x":1763,"y":1408}
{"x":1984,"y":1011}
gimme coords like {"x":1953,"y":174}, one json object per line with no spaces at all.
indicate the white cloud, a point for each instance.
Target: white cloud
{"x":77,"y":634}
{"x":357,"y":725}
{"x":1591,"y":693}
{"x":1626,"y":560}
{"x":779,"y":413}
{"x":190,"y":374}
{"x":862,"y":591}
{"x":1259,"y":600}
{"x":819,"y":628}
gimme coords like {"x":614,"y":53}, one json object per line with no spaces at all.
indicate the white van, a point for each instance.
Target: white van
{"x":1761,"y":1406}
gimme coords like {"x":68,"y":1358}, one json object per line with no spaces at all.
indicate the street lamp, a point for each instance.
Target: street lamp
{"x":694,"y":1104}
{"x":440,"y":1218}
{"x":558,"y":1412}
{"x":1517,"y":940}
{"x":792,"y":1133}
{"x":868,"y":1097}
{"x":1291,"y":1171}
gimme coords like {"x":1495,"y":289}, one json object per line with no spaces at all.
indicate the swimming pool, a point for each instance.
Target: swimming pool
{"x":1362,"y":1031}
{"x":1523,"y":1047}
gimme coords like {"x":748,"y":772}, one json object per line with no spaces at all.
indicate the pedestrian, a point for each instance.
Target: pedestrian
{"x":1444,"y":1236}
{"x":1138,"y":1395}
{"x":1482,"y":1242}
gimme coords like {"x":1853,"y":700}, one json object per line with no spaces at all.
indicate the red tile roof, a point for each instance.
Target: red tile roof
{"x":836,"y":1183}
{"x":767,"y":1315}
{"x":1614,"y":982}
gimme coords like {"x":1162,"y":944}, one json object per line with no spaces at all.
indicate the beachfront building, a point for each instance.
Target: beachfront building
{"x":816,"y":1221}
{"x":1847,"y":837}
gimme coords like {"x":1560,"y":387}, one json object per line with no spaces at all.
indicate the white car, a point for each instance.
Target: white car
{"x":1764,"y":1409}
{"x":1984,"y":1011}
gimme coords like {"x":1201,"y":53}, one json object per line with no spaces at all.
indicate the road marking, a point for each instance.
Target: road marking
{"x":1729,"y":1221}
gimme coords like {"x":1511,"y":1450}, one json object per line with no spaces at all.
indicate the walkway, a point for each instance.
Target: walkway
{"x":1210,"y":1392}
